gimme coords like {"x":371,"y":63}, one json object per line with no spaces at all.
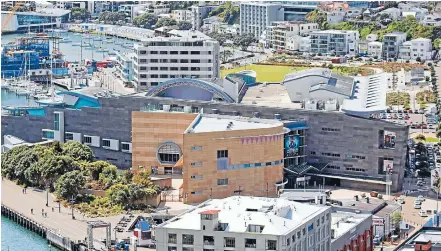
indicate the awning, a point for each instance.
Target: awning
{"x":306,"y":167}
{"x":180,"y":162}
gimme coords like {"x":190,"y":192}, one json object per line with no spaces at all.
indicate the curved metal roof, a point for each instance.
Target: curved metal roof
{"x":213,"y":88}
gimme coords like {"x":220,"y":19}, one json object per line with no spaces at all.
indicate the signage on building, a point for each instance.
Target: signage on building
{"x":378,"y":222}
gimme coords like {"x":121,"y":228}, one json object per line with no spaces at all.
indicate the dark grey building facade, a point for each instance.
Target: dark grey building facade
{"x":351,"y":147}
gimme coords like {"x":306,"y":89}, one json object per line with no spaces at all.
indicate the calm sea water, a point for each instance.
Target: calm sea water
{"x":17,"y":238}
{"x":71,"y":53}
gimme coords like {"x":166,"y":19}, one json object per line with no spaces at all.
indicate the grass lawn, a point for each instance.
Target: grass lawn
{"x":429,"y":140}
{"x":266,"y":73}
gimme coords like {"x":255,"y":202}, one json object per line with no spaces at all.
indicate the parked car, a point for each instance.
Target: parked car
{"x":421,"y":198}
{"x":423,"y":213}
{"x":388,"y":116}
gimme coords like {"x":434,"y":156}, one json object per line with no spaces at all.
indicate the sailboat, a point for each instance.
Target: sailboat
{"x":52,"y":99}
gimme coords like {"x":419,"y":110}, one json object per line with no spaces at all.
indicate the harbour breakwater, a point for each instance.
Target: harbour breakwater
{"x":50,"y":235}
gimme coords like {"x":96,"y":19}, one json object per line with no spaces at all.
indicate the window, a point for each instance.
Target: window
{"x":229,"y":242}
{"x":187,"y":239}
{"x":196,"y":177}
{"x":172,"y":249}
{"x":288,"y":241}
{"x":163,"y":68}
{"x":57,"y":122}
{"x":163,"y":76}
{"x":195,"y":52}
{"x":142,"y":68}
{"x":153,"y":61}
{"x":222,"y":154}
{"x":187,"y":249}
{"x":196,"y":192}
{"x":208,"y":240}
{"x":222,"y":182}
{"x":195,"y":61}
{"x":68,"y":136}
{"x":153,"y":52}
{"x":163,"y":52}
{"x":143,"y":60}
{"x":87,"y":140}
{"x":174,"y":69}
{"x":125,"y":147}
{"x":173,"y":60}
{"x":331,"y":154}
{"x":169,"y":153}
{"x":184,"y":52}
{"x":311,"y":241}
{"x":250,"y":243}
{"x":154,"y":68}
{"x":353,"y":169}
{"x":163,"y":60}
{"x":196,"y":163}
{"x":48,"y":135}
{"x":184,"y":61}
{"x":333,"y":167}
{"x":271,"y":245}
{"x":330,"y":129}
{"x":142,"y":52}
{"x":106,"y":143}
{"x":196,"y":148}
{"x":174,"y":52}
{"x":172,"y":238}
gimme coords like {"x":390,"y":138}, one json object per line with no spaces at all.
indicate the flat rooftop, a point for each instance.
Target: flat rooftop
{"x":273,"y":95}
{"x":276,"y":216}
{"x":217,"y":123}
{"x":343,"y":222}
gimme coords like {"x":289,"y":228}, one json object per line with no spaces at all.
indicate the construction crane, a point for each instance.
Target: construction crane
{"x":11,"y":14}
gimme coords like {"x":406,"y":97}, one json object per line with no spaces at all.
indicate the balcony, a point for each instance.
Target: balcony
{"x":208,"y":241}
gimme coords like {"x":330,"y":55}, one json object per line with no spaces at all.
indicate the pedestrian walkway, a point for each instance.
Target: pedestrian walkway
{"x":61,"y":223}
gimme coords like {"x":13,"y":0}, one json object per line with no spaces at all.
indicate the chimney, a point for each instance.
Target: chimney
{"x":356,"y":197}
{"x":367,"y":199}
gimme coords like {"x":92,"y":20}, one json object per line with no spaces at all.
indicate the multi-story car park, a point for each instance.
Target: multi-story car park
{"x":159,"y":59}
{"x":248,"y":223}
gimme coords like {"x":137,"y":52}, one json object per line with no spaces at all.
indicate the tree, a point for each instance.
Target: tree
{"x":78,"y":151}
{"x":146,"y":20}
{"x":95,"y":168}
{"x":79,"y":13}
{"x":397,"y":217}
{"x":70,"y":184}
{"x":16,"y":161}
{"x":142,"y":177}
{"x":108,"y":176}
{"x":185,"y":25}
{"x":316,"y":16}
{"x":165,"y":21}
{"x":221,"y":38}
{"x":225,"y":54}
{"x":119,"y":194}
{"x":243,"y":41}
{"x":420,"y":137}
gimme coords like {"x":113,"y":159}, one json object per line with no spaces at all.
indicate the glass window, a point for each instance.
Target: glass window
{"x":68,"y":136}
{"x":87,"y":139}
{"x":106,"y":143}
{"x":187,"y":239}
{"x":271,"y":245}
{"x":250,"y":243}
{"x":57,"y":122}
{"x":222,"y":182}
{"x":125,"y":146}
{"x":229,"y":242}
{"x":172,"y":238}
{"x":222,"y":154}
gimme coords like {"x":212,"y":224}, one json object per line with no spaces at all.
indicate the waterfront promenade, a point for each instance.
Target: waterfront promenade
{"x":61,"y":223}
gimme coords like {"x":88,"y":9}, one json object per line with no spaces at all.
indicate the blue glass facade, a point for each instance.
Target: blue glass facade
{"x":33,"y":19}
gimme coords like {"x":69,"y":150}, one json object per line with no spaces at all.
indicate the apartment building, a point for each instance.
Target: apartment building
{"x":158,"y":8}
{"x":280,"y":32}
{"x":248,"y":223}
{"x":159,"y":59}
{"x":255,"y":17}
{"x":181,"y":15}
{"x":422,"y":48}
{"x":375,"y":49}
{"x":298,"y":43}
{"x":198,"y":13}
{"x":335,"y":42}
{"x":392,"y":43}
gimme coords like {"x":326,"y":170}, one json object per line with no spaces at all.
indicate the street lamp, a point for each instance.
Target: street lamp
{"x":47,"y":195}
{"x":72,"y":201}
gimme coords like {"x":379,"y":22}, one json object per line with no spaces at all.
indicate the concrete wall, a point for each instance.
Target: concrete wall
{"x":361,"y":231}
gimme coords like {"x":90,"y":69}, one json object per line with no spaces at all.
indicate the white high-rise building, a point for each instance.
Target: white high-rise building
{"x":256,"y":16}
{"x":416,"y":48}
{"x":248,"y":223}
{"x":161,"y":58}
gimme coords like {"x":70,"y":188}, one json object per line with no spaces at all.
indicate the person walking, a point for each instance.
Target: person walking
{"x":53,"y":210}
{"x":42,"y":212}
{"x":32,"y":211}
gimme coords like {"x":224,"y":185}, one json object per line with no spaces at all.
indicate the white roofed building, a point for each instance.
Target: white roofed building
{"x":248,"y":223}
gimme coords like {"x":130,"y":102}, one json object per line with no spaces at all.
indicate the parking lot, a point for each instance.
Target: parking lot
{"x":418,"y":122}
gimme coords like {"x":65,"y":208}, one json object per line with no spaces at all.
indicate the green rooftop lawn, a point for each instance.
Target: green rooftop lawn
{"x":266,"y":73}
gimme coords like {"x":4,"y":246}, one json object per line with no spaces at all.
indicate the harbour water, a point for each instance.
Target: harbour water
{"x":71,"y":53}
{"x":15,"y":237}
